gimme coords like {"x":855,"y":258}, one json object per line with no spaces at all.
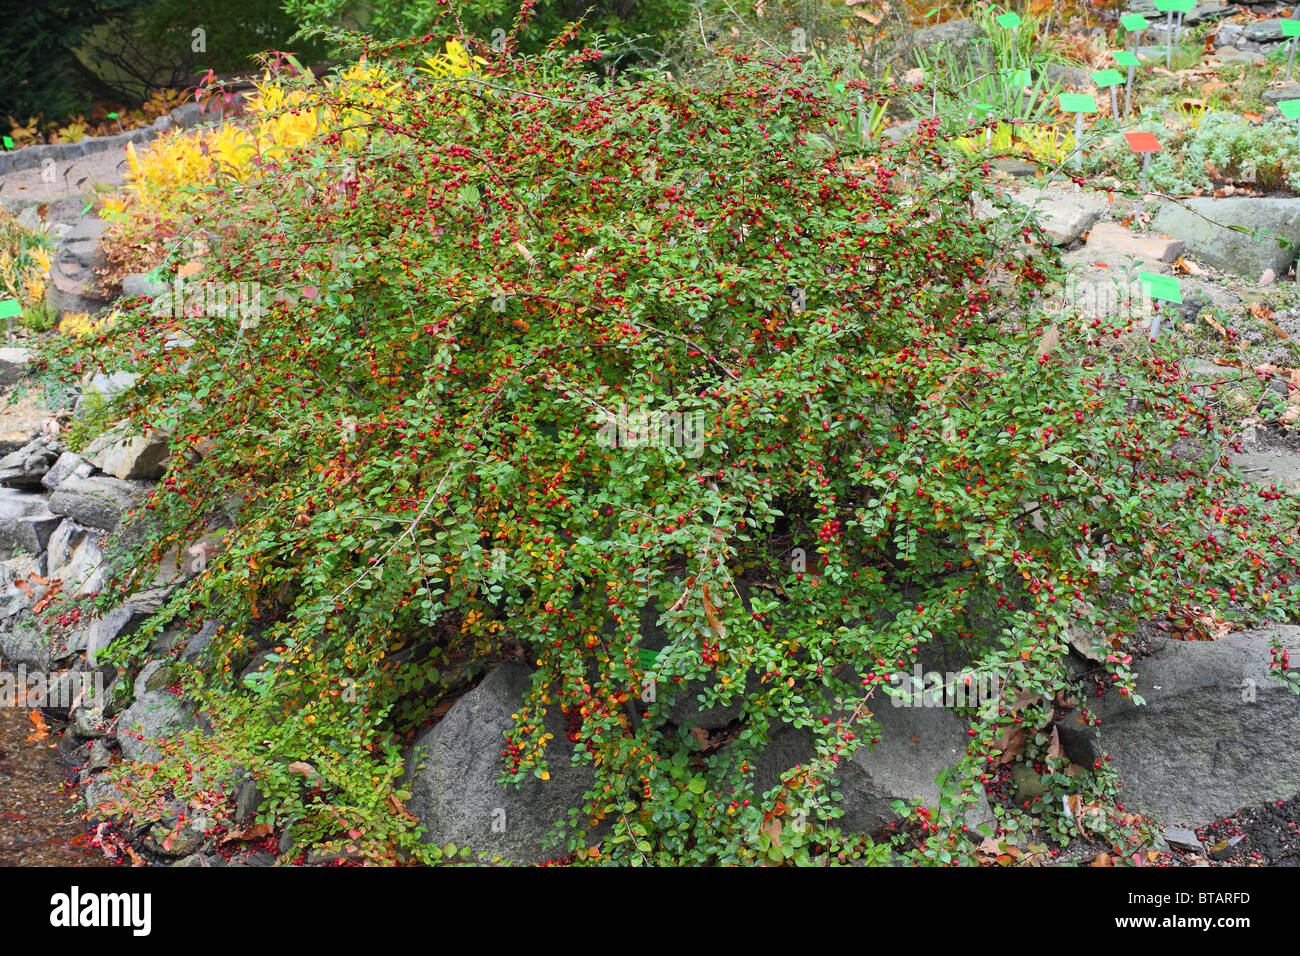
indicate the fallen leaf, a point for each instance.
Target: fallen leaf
{"x":255,"y":832}
{"x":40,"y":729}
{"x":711,"y":617}
{"x":1054,"y":750}
{"x":1049,"y":341}
{"x":400,"y":809}
{"x":1011,"y":743}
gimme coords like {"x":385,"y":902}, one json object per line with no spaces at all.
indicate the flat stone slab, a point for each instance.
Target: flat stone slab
{"x":1108,"y":237}
{"x":1064,"y":216}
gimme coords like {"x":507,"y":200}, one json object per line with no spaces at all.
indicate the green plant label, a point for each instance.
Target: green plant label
{"x":1161,"y":287}
{"x":1132,"y":22}
{"x":1125,"y":58}
{"x":1008,"y":21}
{"x":112,"y":116}
{"x":1077,"y":103}
{"x":1290,"y":108}
{"x":1105,"y":78}
{"x":1167,"y":6}
{"x":10,"y":309}
{"x":9,"y":143}
{"x":1018,"y":78}
{"x":1291,"y":28}
{"x":1183,"y":6}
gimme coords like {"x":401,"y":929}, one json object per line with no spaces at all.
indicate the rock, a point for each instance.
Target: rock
{"x":154,"y":676}
{"x":97,"y":502}
{"x":1109,"y":237}
{"x":1217,"y":732}
{"x":74,"y":645}
{"x":1029,"y":783}
{"x":1225,"y":849}
{"x":14,"y":363}
{"x":26,"y":644}
{"x":247,"y":803}
{"x":25,"y":523}
{"x":1264,"y":31}
{"x":29,"y":464}
{"x":1198,"y":14}
{"x":141,"y":284}
{"x":1085,"y":641}
{"x":958,"y":39}
{"x":68,"y":465}
{"x":1016,"y":167}
{"x":89,"y":723}
{"x":1229,"y":55}
{"x":101,"y":389}
{"x":1067,"y":75}
{"x":901,"y":132}
{"x":179,"y":565}
{"x":151,"y":719}
{"x":122,"y":620}
{"x":1063,"y":216}
{"x":1181,"y":838}
{"x":1238,"y":252}
{"x":199,"y":641}
{"x":917,"y":744}
{"x":178,"y":839}
{"x":99,"y":790}
{"x":1289,"y":92}
{"x":22,"y":421}
{"x":128,"y":456}
{"x":74,"y":556}
{"x":685,"y":708}
{"x":453,"y":769}
{"x":1269,"y":468}
{"x":100,"y":758}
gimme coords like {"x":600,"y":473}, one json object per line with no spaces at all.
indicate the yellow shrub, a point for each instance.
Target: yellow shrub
{"x":1045,"y":143}
{"x":24,"y":262}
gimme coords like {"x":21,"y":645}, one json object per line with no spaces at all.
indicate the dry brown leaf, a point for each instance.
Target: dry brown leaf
{"x":302,"y":768}
{"x":711,"y":617}
{"x":255,"y":832}
{"x":1049,"y":341}
{"x":400,"y":809}
{"x":1103,"y":859}
{"x":1054,"y":750}
{"x":1186,"y":267}
{"x":1011,"y":743}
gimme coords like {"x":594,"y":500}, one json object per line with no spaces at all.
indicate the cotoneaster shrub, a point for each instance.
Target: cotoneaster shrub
{"x":898,"y":455}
